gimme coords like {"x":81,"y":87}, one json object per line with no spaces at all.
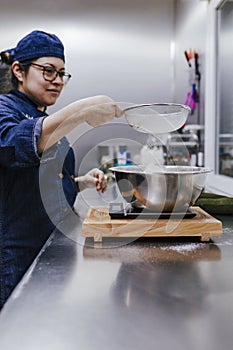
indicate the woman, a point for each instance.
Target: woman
{"x":34,"y":153}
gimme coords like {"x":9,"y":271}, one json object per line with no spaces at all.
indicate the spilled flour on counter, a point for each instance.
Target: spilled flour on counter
{"x":183,"y":248}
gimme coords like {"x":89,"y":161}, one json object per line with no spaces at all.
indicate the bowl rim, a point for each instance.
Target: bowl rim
{"x":165,"y":170}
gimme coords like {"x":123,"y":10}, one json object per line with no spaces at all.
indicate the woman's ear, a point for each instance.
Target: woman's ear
{"x":17,"y":71}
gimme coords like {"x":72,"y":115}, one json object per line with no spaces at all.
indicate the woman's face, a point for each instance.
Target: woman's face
{"x":44,"y":93}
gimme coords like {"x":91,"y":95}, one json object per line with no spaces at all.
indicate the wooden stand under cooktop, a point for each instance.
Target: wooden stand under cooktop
{"x":98,"y":224}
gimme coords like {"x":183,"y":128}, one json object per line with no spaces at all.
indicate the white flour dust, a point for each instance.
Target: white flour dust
{"x":183,"y":248}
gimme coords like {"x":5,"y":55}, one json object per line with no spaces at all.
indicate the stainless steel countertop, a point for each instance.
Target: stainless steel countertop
{"x":147,"y":294}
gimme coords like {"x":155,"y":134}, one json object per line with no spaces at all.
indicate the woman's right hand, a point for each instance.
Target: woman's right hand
{"x":95,"y":111}
{"x":100,"y":110}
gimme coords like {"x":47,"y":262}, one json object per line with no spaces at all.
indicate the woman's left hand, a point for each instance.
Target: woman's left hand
{"x":94,"y":178}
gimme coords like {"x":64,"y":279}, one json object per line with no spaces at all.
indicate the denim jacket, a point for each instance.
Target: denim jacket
{"x":36,"y":191}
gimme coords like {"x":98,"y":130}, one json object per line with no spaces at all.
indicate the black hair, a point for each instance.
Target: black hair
{"x":5,"y":73}
{"x":8,"y":80}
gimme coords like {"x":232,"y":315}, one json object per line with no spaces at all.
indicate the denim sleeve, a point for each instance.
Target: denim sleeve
{"x":19,"y":143}
{"x":48,"y":154}
{"x":26,"y":138}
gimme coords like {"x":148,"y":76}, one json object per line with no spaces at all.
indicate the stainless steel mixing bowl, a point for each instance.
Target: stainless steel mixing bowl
{"x":163,"y":188}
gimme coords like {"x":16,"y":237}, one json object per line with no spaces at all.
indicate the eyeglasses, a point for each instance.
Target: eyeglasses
{"x":50,"y":73}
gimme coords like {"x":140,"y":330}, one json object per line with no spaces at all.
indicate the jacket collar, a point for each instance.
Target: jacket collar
{"x":26,"y":99}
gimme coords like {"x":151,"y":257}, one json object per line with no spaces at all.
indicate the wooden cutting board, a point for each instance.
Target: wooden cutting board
{"x":98,"y":224}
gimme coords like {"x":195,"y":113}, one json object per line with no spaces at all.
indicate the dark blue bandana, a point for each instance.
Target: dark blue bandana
{"x":37,"y":44}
